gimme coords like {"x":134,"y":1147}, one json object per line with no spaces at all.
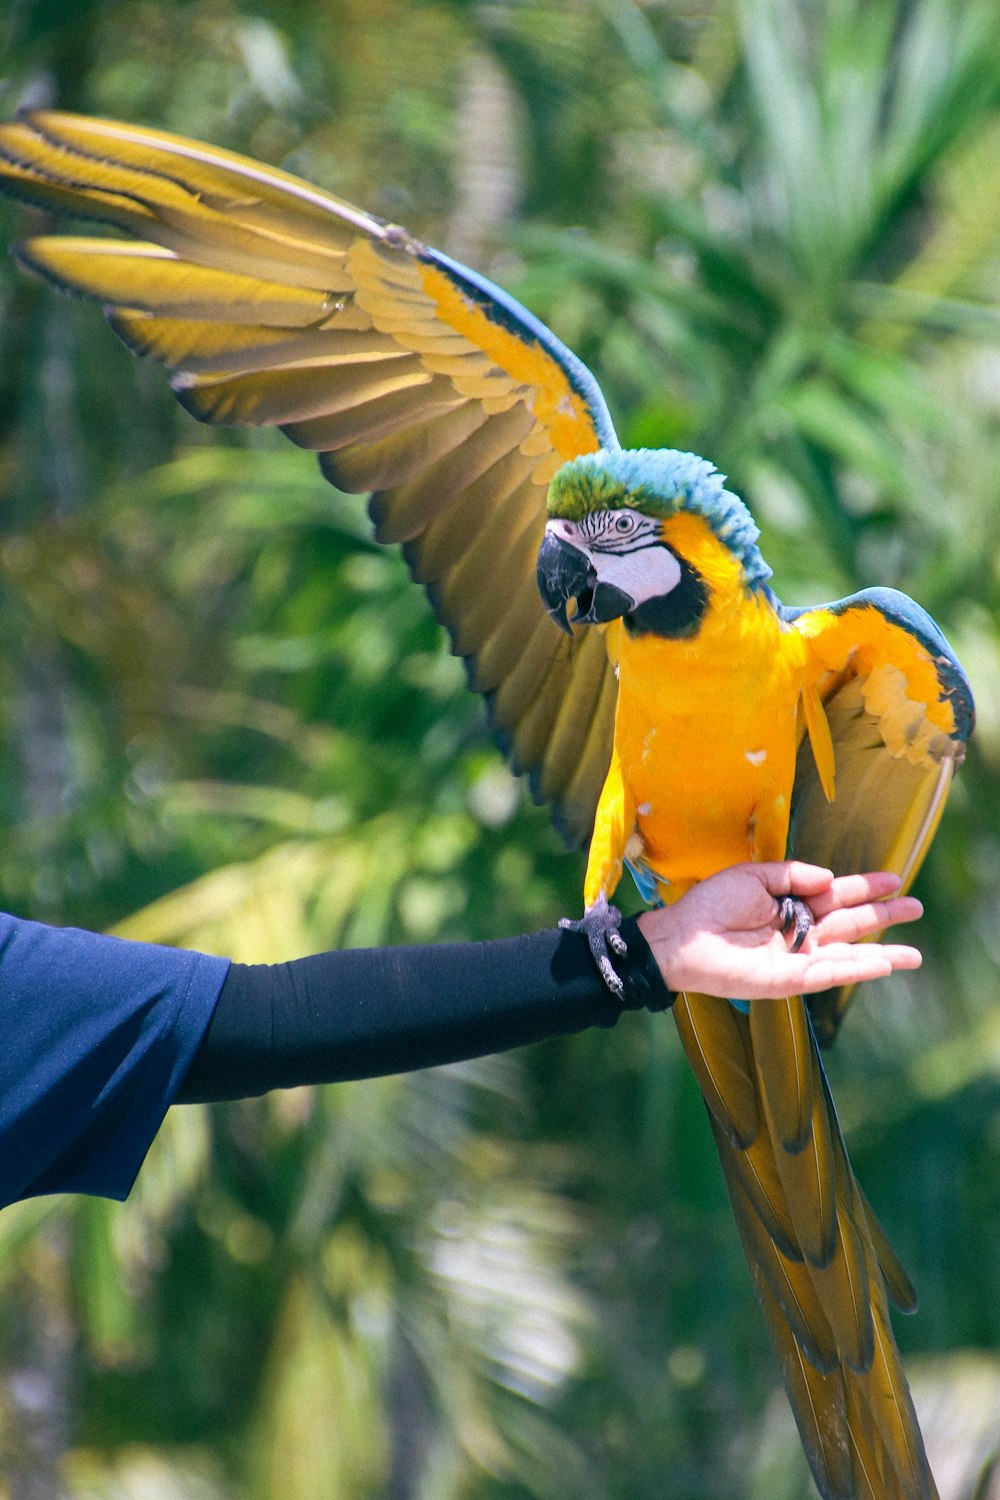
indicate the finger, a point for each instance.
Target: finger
{"x":852,"y":890}
{"x":792,"y":877}
{"x":854,"y":922}
{"x":845,"y":964}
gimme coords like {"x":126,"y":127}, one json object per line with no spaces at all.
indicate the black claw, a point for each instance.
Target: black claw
{"x":610,"y":977}
{"x":794,"y":913}
{"x":599,"y":925}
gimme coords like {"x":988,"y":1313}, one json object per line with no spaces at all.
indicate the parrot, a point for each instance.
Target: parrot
{"x":680,"y":720}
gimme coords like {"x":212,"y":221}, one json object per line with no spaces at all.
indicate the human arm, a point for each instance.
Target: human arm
{"x":361,"y":1013}
{"x":355,"y":1014}
{"x":102,"y":1035}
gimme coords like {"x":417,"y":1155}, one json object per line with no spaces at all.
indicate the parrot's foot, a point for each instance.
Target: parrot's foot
{"x":794,"y":915}
{"x":599,"y":925}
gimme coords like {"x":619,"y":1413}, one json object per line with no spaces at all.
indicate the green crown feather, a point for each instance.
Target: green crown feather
{"x":659,"y":482}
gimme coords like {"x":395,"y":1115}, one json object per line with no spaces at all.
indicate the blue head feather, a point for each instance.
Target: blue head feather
{"x":660,"y":482}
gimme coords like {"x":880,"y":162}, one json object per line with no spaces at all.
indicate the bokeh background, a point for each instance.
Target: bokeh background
{"x":772,"y":229}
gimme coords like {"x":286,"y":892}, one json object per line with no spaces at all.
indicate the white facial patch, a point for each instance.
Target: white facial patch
{"x":642,"y":575}
{"x":625,"y":550}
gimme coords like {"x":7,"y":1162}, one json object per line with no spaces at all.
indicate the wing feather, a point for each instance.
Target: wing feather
{"x":275,"y":303}
{"x":147,"y":278}
{"x":411,"y":511}
{"x":573,"y":813}
{"x":490,"y":680}
{"x":517,"y":693}
{"x":393,"y":415}
{"x":573,"y":720}
{"x":299,"y":393}
{"x":900,"y":710}
{"x":201,"y":349}
{"x":370,"y":459}
{"x":530,"y":736}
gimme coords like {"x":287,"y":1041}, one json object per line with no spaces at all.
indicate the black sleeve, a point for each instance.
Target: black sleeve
{"x":366,"y":1012}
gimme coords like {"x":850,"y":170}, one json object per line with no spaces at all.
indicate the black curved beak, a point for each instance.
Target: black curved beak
{"x":565,"y":573}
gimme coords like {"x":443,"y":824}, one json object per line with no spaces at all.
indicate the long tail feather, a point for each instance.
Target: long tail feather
{"x":718,"y":1048}
{"x":782,"y":1047}
{"x":808,"y":1173}
{"x":818,"y":1258}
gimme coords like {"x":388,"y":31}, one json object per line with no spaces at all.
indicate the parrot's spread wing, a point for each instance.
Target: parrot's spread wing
{"x":900,"y":710}
{"x":411,"y":377}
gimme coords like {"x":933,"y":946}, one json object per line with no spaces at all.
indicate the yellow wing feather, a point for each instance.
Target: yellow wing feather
{"x":899,"y":713}
{"x":275,"y":303}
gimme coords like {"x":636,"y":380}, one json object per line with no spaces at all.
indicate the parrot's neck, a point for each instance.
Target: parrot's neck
{"x":739,"y":637}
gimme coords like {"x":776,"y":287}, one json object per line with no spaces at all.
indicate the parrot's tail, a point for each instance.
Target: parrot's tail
{"x":819,"y":1259}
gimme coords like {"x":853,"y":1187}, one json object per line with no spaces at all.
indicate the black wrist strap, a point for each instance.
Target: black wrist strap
{"x":645,"y":987}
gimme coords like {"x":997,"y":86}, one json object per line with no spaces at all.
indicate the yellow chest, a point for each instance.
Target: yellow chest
{"x":706,"y":734}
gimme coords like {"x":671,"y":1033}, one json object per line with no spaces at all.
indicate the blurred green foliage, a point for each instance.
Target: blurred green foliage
{"x":772,"y":228}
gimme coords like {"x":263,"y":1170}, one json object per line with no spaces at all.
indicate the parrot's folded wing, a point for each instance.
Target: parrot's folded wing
{"x":412,"y":377}
{"x":900,"y":710}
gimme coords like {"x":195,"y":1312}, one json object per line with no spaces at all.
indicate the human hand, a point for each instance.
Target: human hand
{"x":724,"y":936}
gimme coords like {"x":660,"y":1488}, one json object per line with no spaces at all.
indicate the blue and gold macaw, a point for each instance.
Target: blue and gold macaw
{"x":682,"y":718}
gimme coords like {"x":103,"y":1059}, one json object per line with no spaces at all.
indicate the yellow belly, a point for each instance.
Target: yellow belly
{"x":706,"y":739}
{"x":710,"y":795}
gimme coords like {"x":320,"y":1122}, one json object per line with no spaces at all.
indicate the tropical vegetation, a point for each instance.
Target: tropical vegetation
{"x":772,"y":229}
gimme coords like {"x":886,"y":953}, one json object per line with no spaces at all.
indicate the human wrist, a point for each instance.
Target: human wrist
{"x":657,"y":931}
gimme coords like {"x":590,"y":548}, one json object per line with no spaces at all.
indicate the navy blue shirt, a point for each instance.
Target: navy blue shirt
{"x":96,"y":1037}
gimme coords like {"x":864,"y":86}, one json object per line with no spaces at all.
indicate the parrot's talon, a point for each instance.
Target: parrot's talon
{"x":613,"y":980}
{"x":599,"y":925}
{"x":795,"y":915}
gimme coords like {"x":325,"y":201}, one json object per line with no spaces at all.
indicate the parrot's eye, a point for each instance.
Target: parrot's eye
{"x":625,"y":524}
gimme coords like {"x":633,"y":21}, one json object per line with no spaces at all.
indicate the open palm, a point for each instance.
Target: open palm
{"x":724,"y":937}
